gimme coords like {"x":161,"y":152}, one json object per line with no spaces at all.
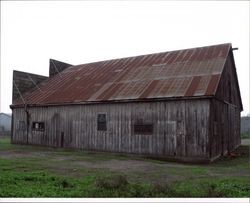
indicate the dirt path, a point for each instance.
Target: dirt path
{"x":126,"y":164}
{"x":82,"y":163}
{"x":77,"y":164}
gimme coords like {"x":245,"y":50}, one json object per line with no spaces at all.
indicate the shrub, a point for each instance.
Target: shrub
{"x":162,"y":190}
{"x":213,"y":192}
{"x":111,"y":182}
{"x":63,"y":183}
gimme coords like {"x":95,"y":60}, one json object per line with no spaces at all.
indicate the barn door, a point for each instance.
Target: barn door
{"x":77,"y":142}
{"x":231,"y":127}
{"x":180,"y":139}
{"x":231,"y":120}
{"x":222,"y":139}
{"x":55,"y":123}
{"x":62,"y":139}
{"x":170,"y":139}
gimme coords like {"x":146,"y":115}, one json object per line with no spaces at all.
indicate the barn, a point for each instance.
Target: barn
{"x":5,"y":124}
{"x":183,"y":105}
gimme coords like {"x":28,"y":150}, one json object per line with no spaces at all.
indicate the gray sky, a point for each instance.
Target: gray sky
{"x":83,"y":31}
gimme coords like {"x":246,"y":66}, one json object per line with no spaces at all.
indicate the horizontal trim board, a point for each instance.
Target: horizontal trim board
{"x":115,"y":101}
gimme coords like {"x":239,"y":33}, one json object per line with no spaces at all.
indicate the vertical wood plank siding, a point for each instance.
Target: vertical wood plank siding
{"x":180,"y":128}
{"x":224,"y":128}
{"x":228,"y":86}
{"x":225,"y":113}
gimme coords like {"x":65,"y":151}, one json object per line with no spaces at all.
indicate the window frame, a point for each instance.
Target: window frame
{"x":21,"y":125}
{"x":143,"y":128}
{"x":40,"y":124}
{"x":102,"y":124}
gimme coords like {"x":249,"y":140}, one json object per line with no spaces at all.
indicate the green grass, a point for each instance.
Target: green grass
{"x":44,"y":184}
{"x":41,"y":184}
{"x":29,"y":174}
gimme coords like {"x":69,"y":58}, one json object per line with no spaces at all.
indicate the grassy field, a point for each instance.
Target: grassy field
{"x":29,"y":171}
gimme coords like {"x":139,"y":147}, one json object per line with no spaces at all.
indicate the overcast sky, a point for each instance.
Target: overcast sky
{"x":83,"y":31}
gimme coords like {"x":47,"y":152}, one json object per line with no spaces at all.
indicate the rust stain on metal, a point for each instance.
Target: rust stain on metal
{"x":213,"y":84}
{"x":166,"y":84}
{"x":109,"y":92}
{"x":161,"y":75}
{"x":193,"y":86}
{"x":149,"y":89}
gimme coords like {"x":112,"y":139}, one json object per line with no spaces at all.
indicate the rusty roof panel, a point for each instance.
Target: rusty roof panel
{"x":165,"y":86}
{"x":150,"y":88}
{"x":202,"y":86}
{"x":214,"y":81}
{"x":189,"y":72}
{"x":111,"y":91}
{"x":193,"y":86}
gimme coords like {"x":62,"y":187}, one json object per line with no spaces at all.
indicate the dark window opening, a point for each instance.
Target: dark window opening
{"x":22,"y":125}
{"x":101,"y":122}
{"x":38,"y":126}
{"x":143,"y":129}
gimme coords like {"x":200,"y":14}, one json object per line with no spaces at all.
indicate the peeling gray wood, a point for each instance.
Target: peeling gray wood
{"x":180,"y":128}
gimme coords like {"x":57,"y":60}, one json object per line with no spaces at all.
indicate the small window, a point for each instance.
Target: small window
{"x":38,"y":126}
{"x":143,"y":129}
{"x":22,"y":125}
{"x":101,"y":122}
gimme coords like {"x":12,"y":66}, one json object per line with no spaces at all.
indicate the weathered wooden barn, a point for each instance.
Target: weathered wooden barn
{"x":183,"y":105}
{"x":5,"y":124}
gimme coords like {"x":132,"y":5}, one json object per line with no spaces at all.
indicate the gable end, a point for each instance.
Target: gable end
{"x":228,"y":89}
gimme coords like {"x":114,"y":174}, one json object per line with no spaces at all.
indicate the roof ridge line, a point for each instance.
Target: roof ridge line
{"x":143,"y":55}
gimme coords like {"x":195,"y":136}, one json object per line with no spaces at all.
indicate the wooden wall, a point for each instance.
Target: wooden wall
{"x":225,"y":128}
{"x":225,"y":112}
{"x":180,"y":128}
{"x":228,"y":89}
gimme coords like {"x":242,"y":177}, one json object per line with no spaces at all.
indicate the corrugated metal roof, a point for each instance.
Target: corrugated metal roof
{"x":182,"y":73}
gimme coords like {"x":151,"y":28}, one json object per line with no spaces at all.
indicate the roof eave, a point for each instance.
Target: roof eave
{"x":113,"y":101}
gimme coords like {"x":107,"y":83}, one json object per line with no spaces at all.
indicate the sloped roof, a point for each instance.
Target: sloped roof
{"x":5,"y":115}
{"x":183,"y":73}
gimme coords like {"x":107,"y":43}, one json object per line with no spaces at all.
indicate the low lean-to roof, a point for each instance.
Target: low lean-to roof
{"x":5,"y":115}
{"x":183,"y":73}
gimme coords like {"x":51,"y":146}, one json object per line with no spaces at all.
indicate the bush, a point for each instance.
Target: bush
{"x":65,"y":184}
{"x":111,"y":182}
{"x":213,"y":192}
{"x":161,"y":190}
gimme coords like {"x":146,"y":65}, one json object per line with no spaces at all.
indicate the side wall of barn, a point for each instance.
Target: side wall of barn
{"x":225,"y":128}
{"x":225,"y":112}
{"x":228,"y":88}
{"x":177,"y":129}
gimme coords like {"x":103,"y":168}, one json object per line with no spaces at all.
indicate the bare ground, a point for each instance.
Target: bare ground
{"x":77,"y":164}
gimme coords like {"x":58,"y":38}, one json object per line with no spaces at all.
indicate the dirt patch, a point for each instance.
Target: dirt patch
{"x":78,"y":166}
{"x":13,"y":155}
{"x":23,"y":154}
{"x":137,"y":169}
{"x":119,"y":165}
{"x":127,"y":165}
